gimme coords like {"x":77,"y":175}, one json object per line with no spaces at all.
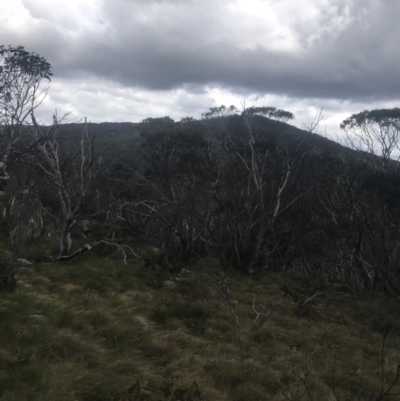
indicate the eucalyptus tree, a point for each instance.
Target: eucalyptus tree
{"x":21,"y":75}
{"x":269,"y":112}
{"x":376,"y":132}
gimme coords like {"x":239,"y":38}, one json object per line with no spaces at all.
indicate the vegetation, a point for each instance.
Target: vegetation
{"x":91,"y":330}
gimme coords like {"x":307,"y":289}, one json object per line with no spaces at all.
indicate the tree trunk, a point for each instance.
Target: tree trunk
{"x":65,"y":239}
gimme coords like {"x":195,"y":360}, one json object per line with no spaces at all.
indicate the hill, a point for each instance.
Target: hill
{"x":126,"y":135}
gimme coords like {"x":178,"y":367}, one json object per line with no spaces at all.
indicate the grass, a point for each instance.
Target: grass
{"x":86,"y":331}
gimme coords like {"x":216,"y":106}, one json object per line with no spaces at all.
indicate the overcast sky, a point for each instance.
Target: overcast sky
{"x":125,"y":60}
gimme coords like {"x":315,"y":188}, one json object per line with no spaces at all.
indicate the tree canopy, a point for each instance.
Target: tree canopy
{"x":380,"y":117}
{"x":270,"y":112}
{"x":21,"y":73}
{"x":20,"y":68}
{"x":376,"y":131}
{"x":264,"y":111}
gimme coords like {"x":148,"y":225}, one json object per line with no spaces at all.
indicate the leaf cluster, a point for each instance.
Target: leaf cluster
{"x":269,"y":112}
{"x":381,"y":117}
{"x":18,"y":63}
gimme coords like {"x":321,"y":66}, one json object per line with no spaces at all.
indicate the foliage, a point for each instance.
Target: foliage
{"x":376,"y":132}
{"x":21,"y":73}
{"x":20,"y":68}
{"x":381,"y":117}
{"x":220,"y":111}
{"x":270,"y":112}
{"x":154,"y":124}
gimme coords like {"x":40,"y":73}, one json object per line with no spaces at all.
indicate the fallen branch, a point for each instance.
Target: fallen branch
{"x":311,"y":298}
{"x":257,"y":313}
{"x":89,"y":247}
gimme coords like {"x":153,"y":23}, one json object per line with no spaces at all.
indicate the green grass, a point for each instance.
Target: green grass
{"x":86,"y":331}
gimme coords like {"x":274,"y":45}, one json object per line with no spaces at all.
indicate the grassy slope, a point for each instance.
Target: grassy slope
{"x":86,"y":331}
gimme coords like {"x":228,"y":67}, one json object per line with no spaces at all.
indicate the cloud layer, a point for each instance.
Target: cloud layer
{"x":154,"y":57}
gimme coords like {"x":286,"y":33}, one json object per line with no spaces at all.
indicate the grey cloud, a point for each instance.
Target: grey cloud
{"x":165,"y":44}
{"x":182,"y":48}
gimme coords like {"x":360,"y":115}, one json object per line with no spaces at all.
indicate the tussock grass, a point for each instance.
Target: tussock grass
{"x":86,"y":331}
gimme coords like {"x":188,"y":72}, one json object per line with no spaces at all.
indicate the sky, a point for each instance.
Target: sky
{"x":126,"y":60}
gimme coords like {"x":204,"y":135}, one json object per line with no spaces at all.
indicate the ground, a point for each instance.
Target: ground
{"x":89,"y":330}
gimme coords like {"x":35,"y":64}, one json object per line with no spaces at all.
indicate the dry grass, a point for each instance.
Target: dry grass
{"x":86,"y":331}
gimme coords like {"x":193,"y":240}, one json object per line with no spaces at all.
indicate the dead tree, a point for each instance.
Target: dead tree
{"x":168,"y":205}
{"x":362,"y":211}
{"x":258,"y":184}
{"x":69,"y":174}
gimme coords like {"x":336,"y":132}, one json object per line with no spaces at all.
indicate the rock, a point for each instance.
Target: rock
{"x":178,"y":278}
{"x":40,"y":317}
{"x":169,"y":284}
{"x":24,"y":262}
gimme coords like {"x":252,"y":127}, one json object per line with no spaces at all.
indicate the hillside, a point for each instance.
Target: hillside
{"x":267,"y":198}
{"x":89,"y":330}
{"x":126,"y":135}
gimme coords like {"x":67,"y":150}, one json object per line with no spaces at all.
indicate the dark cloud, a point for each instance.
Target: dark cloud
{"x":162,"y":45}
{"x":345,"y":50}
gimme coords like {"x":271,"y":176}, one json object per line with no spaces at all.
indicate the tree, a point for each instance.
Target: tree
{"x":376,"y":241}
{"x":21,"y":74}
{"x":221,"y":111}
{"x":257,"y":182}
{"x":264,"y":111}
{"x":259,"y":185}
{"x":362,"y":238}
{"x":375,"y":131}
{"x":154,"y":124}
{"x":166,"y":201}
{"x":69,"y":172}
{"x":269,"y":112}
